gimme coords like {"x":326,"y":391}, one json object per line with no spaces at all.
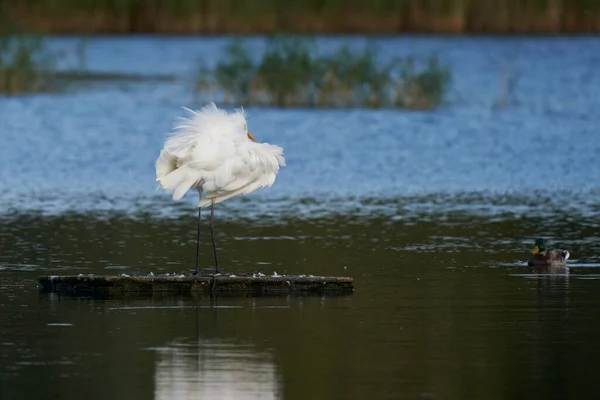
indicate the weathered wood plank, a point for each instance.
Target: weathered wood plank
{"x":181,"y":283}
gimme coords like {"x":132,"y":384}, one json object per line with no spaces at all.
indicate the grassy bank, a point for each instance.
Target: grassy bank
{"x":293,"y":72}
{"x":304,"y":16}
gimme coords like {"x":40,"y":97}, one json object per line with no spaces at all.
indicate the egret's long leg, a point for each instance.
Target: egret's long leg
{"x":212,"y":235}
{"x":198,"y":240}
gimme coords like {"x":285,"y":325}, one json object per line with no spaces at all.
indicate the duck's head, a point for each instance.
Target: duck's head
{"x":540,"y":245}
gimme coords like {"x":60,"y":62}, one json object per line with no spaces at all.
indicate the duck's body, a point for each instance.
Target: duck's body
{"x":542,"y":257}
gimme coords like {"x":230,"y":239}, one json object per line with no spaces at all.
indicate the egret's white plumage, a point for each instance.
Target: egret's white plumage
{"x":213,"y":152}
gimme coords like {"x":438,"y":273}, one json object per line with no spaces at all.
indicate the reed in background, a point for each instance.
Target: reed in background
{"x":292,"y":72}
{"x":26,"y":65}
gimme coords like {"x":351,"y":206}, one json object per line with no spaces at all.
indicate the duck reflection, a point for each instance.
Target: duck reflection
{"x":553,"y":280}
{"x":551,"y":270}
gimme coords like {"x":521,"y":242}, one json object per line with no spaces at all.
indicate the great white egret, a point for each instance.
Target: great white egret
{"x":214,"y":153}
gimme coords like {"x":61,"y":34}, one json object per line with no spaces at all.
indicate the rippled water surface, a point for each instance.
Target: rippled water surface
{"x":432,"y":213}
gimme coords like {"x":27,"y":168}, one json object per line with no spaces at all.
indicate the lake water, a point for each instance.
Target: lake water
{"x":432,"y":213}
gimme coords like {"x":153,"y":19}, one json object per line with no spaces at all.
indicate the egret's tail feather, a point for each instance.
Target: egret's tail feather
{"x":182,"y":189}
{"x":280,"y":160}
{"x":178,"y":182}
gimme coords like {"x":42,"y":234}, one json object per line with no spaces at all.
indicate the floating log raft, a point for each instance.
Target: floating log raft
{"x":186,"y":283}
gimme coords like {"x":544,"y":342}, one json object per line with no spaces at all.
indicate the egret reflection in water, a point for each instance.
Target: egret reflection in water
{"x":213,"y":369}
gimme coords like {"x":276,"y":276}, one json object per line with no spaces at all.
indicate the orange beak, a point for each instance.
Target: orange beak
{"x":251,"y":137}
{"x":535,"y":250}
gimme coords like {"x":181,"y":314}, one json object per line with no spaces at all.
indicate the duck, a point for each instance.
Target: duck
{"x":542,"y":257}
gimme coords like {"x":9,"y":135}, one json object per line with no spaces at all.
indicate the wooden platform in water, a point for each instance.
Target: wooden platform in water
{"x":187,"y":283}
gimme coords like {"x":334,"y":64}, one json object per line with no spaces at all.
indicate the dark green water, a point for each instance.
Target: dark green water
{"x":444,"y":308}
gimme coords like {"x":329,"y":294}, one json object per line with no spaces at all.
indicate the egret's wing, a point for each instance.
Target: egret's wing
{"x":253,"y":166}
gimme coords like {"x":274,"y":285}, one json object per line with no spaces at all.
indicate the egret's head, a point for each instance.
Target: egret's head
{"x":214,"y":121}
{"x":248,"y":132}
{"x":241,"y":112}
{"x":240,"y":116}
{"x":540,"y":245}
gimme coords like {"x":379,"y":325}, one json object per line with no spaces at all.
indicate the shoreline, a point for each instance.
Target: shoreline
{"x":226,"y":17}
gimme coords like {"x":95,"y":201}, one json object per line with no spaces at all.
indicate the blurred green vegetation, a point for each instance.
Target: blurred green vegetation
{"x":25,"y":63}
{"x":28,"y":65}
{"x":292,"y":72}
{"x":304,"y":16}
